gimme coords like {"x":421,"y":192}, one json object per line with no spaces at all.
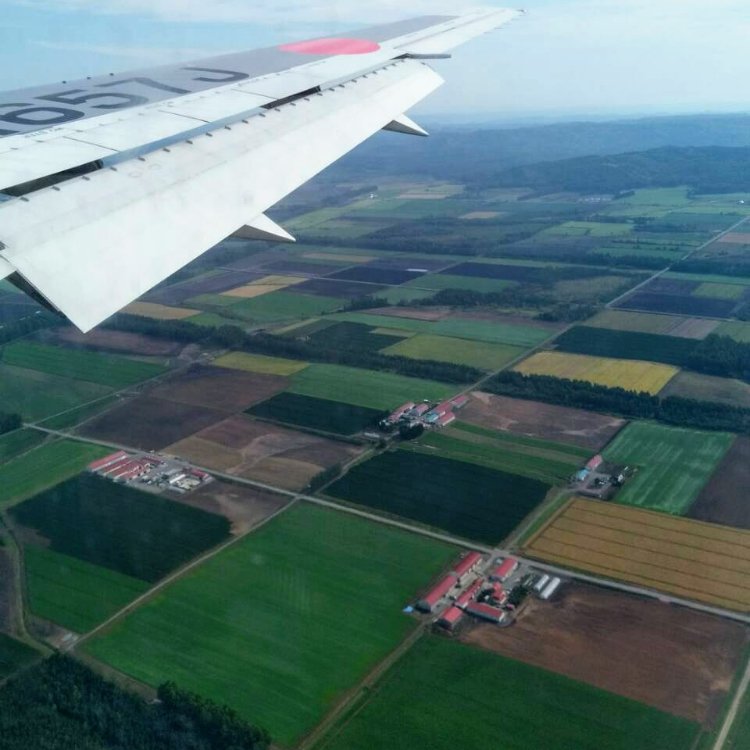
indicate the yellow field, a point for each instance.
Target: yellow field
{"x":690,"y":559}
{"x":159,"y":312}
{"x":260,"y":364}
{"x":626,"y":373}
{"x":266,"y":285}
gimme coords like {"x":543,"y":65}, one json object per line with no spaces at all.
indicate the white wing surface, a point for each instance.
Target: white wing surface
{"x":185,"y":170}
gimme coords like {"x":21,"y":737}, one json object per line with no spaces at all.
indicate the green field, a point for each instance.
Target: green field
{"x":436,"y":282}
{"x":279,"y":625}
{"x":735,"y":329}
{"x":104,"y":369}
{"x":538,"y":459}
{"x":623,"y":320}
{"x":444,"y":694}
{"x":317,"y":413}
{"x":465,"y":499}
{"x":14,"y":655}
{"x":479,"y":354}
{"x":720,"y":291}
{"x":673,"y":464}
{"x":375,"y":390}
{"x":739,"y":735}
{"x":120,"y":528}
{"x":709,"y":388}
{"x":395,"y":294}
{"x":14,"y":443}
{"x":282,"y":305}
{"x":44,"y":467}
{"x":73,"y":593}
{"x":37,"y":395}
{"x":589,"y":229}
{"x":74,"y":417}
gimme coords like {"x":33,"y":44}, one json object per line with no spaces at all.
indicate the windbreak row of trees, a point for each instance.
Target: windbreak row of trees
{"x":581,"y":394}
{"x":62,"y":704}
{"x":234,"y":337}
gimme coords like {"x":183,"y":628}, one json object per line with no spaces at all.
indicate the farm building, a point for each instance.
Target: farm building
{"x":470,"y":593}
{"x":446,"y":419}
{"x":505,"y":569}
{"x":107,"y":461}
{"x":398,"y":413}
{"x":459,"y":402}
{"x":582,"y":475}
{"x":467,"y":564}
{"x":499,"y":594}
{"x":450,"y":618}
{"x":594,"y":463}
{"x":541,"y":583}
{"x":432,"y":597}
{"x":420,"y":410}
{"x":550,"y":589}
{"x":486,"y":612}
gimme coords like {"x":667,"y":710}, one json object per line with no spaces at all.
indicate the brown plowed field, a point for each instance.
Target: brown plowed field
{"x":725,"y":498}
{"x":264,"y":452}
{"x":118,"y":341}
{"x":539,"y":420}
{"x":220,"y":388}
{"x":150,"y":423}
{"x":245,"y":507}
{"x":679,"y":556}
{"x":672,"y":658}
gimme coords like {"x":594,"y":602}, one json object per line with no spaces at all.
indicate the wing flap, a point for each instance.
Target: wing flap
{"x":98,"y":242}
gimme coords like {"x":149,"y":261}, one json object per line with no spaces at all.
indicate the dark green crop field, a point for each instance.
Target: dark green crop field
{"x":128,"y":531}
{"x":316,"y":413}
{"x":444,"y":694}
{"x":14,"y":443}
{"x":471,"y":501}
{"x":14,"y":655}
{"x":602,"y":342}
{"x":357,"y":336}
{"x":282,"y":623}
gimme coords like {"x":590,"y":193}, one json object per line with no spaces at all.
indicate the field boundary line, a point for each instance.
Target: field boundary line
{"x":734,"y":709}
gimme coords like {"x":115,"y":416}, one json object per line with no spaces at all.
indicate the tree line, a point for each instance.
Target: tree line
{"x":61,"y":704}
{"x":580,"y":394}
{"x":234,"y":337}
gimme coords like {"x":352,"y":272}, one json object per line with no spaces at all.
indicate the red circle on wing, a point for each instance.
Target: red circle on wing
{"x":332,"y":46}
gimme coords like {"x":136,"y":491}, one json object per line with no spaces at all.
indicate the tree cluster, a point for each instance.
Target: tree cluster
{"x":722,"y":356}
{"x":9,"y":421}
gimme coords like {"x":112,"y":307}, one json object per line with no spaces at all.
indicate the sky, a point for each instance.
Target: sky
{"x":564,"y":58}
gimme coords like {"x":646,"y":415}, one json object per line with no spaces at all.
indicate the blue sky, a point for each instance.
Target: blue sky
{"x":566,"y":57}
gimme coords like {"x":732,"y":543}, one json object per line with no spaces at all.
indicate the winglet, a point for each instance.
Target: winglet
{"x":405,"y":125}
{"x":263,"y":228}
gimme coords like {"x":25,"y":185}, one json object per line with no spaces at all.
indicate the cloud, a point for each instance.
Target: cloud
{"x":264,"y":12}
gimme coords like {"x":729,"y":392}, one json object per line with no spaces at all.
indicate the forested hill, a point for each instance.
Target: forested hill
{"x":706,"y":170}
{"x":466,"y":154}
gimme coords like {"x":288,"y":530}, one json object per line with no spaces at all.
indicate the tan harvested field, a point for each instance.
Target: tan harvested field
{"x":260,"y":364}
{"x":159,"y":312}
{"x":480,"y":215}
{"x":416,"y":313}
{"x":264,"y":452}
{"x":150,"y":423}
{"x":118,"y":341}
{"x":689,"y":559}
{"x":667,"y":325}
{"x":633,"y":375}
{"x":725,"y":498}
{"x":266,"y":285}
{"x":244,"y":506}
{"x":534,"y":419}
{"x":736,"y":238}
{"x":220,"y":388}
{"x":675,"y":659}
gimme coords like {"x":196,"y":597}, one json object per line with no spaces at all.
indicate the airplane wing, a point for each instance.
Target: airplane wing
{"x":118,"y":181}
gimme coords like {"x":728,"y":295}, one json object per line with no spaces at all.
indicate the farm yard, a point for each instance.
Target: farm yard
{"x":631,"y":375}
{"x":464,"y":499}
{"x":283,"y":589}
{"x":537,"y":420}
{"x":672,"y":464}
{"x":442,"y":689}
{"x":649,"y":549}
{"x":674,"y":659}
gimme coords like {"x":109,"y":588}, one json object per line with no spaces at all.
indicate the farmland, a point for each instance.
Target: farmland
{"x":158,"y":311}
{"x":464,"y":499}
{"x":673,"y":464}
{"x":548,"y":462}
{"x":104,"y":369}
{"x":317,"y":413}
{"x":479,"y":354}
{"x":438,"y":281}
{"x":260,"y":364}
{"x":283,"y":589}
{"x":72,"y":593}
{"x":435,"y":692}
{"x":649,"y":549}
{"x":264,"y":452}
{"x":709,"y":388}
{"x":537,"y":420}
{"x":375,"y":390}
{"x":677,"y":660}
{"x":283,"y":305}
{"x":616,"y":373}
{"x":134,"y":533}
{"x":14,"y":443}
{"x":14,"y":655}
{"x":344,"y":335}
{"x":601,"y":342}
{"x":679,"y":304}
{"x":43,"y":467}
